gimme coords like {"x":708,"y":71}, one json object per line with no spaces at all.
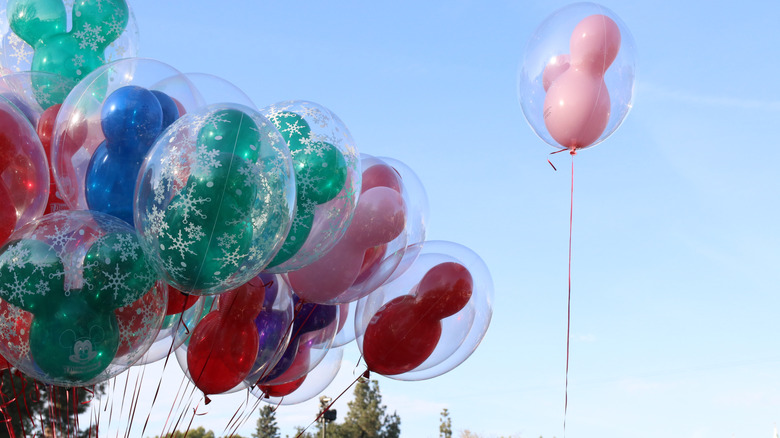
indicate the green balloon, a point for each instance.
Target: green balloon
{"x":75,"y":342}
{"x":320,"y":175}
{"x":73,"y":54}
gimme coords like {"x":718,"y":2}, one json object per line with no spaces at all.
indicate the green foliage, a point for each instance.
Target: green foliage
{"x":200,"y":432}
{"x":445,"y":424}
{"x":366,"y":417}
{"x":56,"y":406}
{"x":266,"y":424}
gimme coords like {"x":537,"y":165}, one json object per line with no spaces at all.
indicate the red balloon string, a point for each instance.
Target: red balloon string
{"x":568,"y":303}
{"x":4,"y":405}
{"x":18,"y":401}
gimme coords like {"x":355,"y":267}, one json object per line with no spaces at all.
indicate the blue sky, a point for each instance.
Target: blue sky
{"x":675,"y":251}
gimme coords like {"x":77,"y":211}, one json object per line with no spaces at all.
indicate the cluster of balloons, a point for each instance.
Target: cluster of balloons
{"x":146,"y":211}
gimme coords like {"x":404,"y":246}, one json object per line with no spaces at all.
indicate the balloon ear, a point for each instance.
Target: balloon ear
{"x":96,"y":334}
{"x":31,"y":275}
{"x":97,"y":24}
{"x":67,"y":339}
{"x":33,"y":20}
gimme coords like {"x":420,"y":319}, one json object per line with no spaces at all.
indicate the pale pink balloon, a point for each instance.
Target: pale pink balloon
{"x":380,"y":216}
{"x":577,"y":105}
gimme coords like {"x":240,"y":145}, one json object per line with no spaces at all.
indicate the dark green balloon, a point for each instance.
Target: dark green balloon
{"x":76,"y":342}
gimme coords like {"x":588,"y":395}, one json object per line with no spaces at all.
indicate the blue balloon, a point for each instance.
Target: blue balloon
{"x":169,"y":109}
{"x":132,"y":118}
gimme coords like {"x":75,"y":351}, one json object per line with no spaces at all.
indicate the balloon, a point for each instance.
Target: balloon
{"x":327,"y":179}
{"x":131,"y":118}
{"x":114,"y":97}
{"x":24,"y":169}
{"x":224,"y":345}
{"x":577,"y":104}
{"x":306,"y":387}
{"x":215,"y":199}
{"x":45,"y":131}
{"x":73,"y":54}
{"x":430,"y":318}
{"x":71,"y":270}
{"x":313,"y":331}
{"x":34,"y":91}
{"x":576,"y":80}
{"x":379,"y":218}
{"x":178,"y":301}
{"x":177,"y":327}
{"x":140,"y":322}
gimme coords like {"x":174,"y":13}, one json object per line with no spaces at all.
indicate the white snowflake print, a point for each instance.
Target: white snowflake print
{"x":60,"y":238}
{"x":188,"y":204}
{"x":203,"y":160}
{"x":116,"y":282}
{"x":128,"y":247}
{"x":90,"y":37}
{"x":78,"y":60}
{"x":213,"y":119}
{"x":292,"y":129}
{"x":179,"y":243}
{"x":16,"y":256}
{"x":20,"y":51}
{"x":194,"y":231}
{"x":114,"y":27}
{"x":172,"y":268}
{"x":156,"y":222}
{"x":306,"y":183}
{"x":17,"y":290}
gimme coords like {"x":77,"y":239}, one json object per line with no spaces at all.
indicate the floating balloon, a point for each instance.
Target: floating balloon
{"x":25,"y":90}
{"x":429,"y":319}
{"x":224,"y":345}
{"x":69,"y":41}
{"x":215,"y":199}
{"x":71,"y":270}
{"x":24,"y":173}
{"x":132,"y":118}
{"x":378,"y":219}
{"x":313,"y":331}
{"x":306,"y":387}
{"x":176,"y":327}
{"x":576,"y":80}
{"x":109,"y":98}
{"x":327,"y":179}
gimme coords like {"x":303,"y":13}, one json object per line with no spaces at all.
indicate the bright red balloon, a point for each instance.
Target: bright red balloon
{"x":178,"y":301}
{"x":283,"y":389}
{"x":7,"y":214}
{"x":405,"y":331}
{"x":224,"y":344}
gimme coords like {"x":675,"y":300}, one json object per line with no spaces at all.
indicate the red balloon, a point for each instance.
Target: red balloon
{"x":444,"y":290}
{"x":4,"y":364}
{"x":405,"y":331}
{"x":224,"y":344}
{"x":45,"y":130}
{"x":380,"y":175}
{"x":282,"y":389}
{"x":399,"y":337}
{"x":7,"y":214}
{"x":178,"y":301}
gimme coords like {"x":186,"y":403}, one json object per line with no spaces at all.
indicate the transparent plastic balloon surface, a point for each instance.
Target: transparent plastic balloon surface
{"x":306,"y":387}
{"x":24,"y":171}
{"x":79,"y":131}
{"x":327,"y":178}
{"x":549,"y":57}
{"x":80,"y":301}
{"x":431,"y":318}
{"x":215,"y":198}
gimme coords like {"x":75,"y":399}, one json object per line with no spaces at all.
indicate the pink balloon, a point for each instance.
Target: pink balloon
{"x":380,"y":217}
{"x":577,"y":105}
{"x":553,"y":69}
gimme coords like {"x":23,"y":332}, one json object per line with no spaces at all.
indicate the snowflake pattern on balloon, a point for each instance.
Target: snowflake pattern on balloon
{"x":219,"y":199}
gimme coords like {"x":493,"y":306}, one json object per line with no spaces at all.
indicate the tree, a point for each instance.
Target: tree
{"x":266,"y":424}
{"x":200,"y":432}
{"x":366,"y":417}
{"x":445,"y":424}
{"x":43,"y":409}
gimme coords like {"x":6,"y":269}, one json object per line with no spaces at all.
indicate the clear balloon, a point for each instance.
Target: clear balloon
{"x":79,"y":274}
{"x":107,"y":99}
{"x":327,"y":178}
{"x":66,"y":38}
{"x":35,"y":92}
{"x":305,"y":388}
{"x":576,"y":80}
{"x":24,"y":171}
{"x":429,"y":319}
{"x":215,"y":199}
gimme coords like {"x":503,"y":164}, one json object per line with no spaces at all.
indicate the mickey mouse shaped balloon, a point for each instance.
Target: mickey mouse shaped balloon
{"x":70,"y":53}
{"x":577,"y":77}
{"x":429,"y":319}
{"x":71,"y":270}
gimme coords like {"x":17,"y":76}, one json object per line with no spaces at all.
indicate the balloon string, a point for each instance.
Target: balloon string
{"x":365,"y":375}
{"x":568,"y":303}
